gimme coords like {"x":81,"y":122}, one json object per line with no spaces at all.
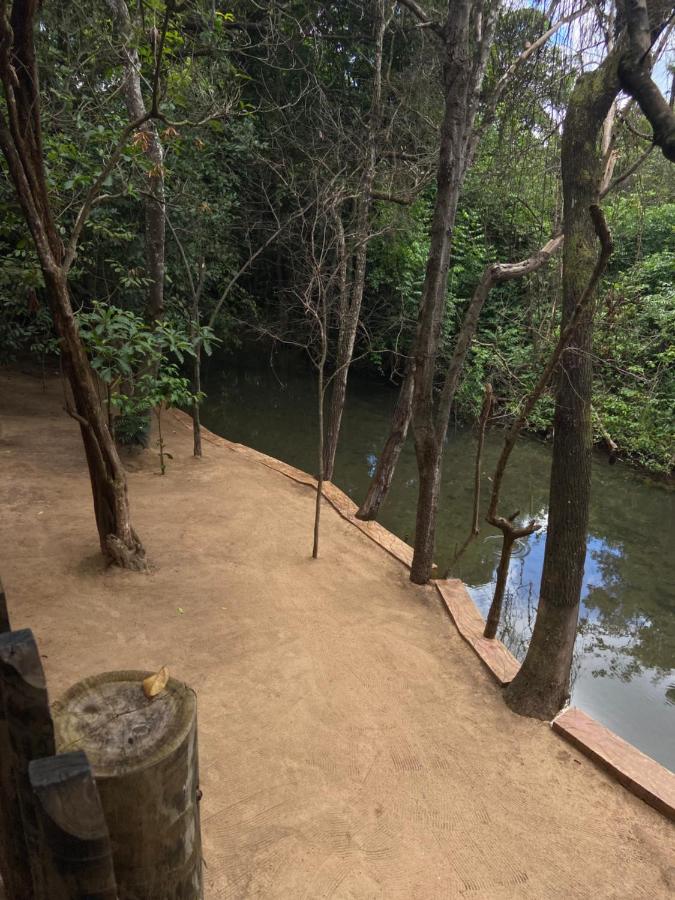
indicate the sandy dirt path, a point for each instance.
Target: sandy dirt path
{"x":351,"y":744}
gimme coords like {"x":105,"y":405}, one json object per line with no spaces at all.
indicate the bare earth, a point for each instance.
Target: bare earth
{"x":351,"y":744}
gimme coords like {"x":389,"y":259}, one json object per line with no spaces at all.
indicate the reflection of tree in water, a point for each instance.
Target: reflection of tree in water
{"x":624,"y":626}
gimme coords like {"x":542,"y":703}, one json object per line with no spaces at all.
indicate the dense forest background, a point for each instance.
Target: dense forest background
{"x":268,"y":109}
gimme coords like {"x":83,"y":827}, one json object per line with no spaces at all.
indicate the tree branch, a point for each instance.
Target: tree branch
{"x":635,"y":77}
{"x":422,"y":17}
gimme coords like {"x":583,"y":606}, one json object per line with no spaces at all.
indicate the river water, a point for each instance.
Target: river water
{"x":624,"y":665}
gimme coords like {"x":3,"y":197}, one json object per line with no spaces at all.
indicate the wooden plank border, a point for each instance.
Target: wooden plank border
{"x":640,"y":774}
{"x":501,"y":663}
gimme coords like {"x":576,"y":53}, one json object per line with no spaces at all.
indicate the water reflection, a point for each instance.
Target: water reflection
{"x":624,"y":662}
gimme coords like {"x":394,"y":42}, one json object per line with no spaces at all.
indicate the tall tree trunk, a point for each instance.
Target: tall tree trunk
{"x":320,"y":474}
{"x":349,"y":322}
{"x":495,"y":273}
{"x":386,"y":464}
{"x":21,"y":144}
{"x":155,"y":206}
{"x":541,"y":687}
{"x":196,"y":388}
{"x":463,"y":68}
{"x":344,"y":354}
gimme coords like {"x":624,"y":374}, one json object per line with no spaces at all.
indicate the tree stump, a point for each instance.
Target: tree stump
{"x":143,"y":754}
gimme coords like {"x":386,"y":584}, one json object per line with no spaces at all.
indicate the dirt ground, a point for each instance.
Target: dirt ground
{"x":351,"y":744}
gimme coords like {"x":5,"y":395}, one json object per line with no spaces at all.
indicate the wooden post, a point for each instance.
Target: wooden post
{"x":26,"y":733}
{"x":143,"y":754}
{"x":73,"y":837}
{"x":4,"y":612}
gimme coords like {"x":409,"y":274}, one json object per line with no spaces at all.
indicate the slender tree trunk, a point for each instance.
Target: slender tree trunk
{"x":155,"y":206}
{"x":320,"y":473}
{"x":349,"y":322}
{"x":463,"y":69}
{"x":495,"y":273}
{"x":197,"y":361}
{"x":512,"y":532}
{"x":541,"y":687}
{"x":118,"y":540}
{"x":196,"y":387}
{"x":386,"y":464}
{"x":21,"y":144}
{"x":344,"y":351}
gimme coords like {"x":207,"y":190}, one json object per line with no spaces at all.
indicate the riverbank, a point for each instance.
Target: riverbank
{"x":351,"y":744}
{"x":625,"y":651}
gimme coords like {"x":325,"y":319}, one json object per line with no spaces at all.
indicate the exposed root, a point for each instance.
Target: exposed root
{"x":119,"y":554}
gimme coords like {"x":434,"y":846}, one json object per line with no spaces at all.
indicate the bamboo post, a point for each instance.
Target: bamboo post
{"x":26,"y":733}
{"x":73,"y":836}
{"x":143,"y":754}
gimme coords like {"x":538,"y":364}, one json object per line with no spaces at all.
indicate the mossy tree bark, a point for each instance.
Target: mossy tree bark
{"x":541,"y":686}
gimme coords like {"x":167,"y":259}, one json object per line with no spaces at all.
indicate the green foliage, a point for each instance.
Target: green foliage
{"x":635,"y":344}
{"x":288,"y":90}
{"x":139,"y":365}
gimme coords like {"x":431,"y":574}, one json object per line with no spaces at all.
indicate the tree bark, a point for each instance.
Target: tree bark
{"x":21,"y":144}
{"x":196,"y":387}
{"x":495,"y":273}
{"x":512,"y":532}
{"x":155,"y":205}
{"x":541,"y":686}
{"x":463,"y":69}
{"x":143,"y":754}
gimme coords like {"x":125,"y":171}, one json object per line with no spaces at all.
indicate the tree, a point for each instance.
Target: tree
{"x":465,"y":42}
{"x":21,"y":143}
{"x":148,"y":139}
{"x":542,"y":684}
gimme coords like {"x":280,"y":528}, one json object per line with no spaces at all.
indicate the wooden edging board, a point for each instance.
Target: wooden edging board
{"x":639,"y":773}
{"x":470,"y":624}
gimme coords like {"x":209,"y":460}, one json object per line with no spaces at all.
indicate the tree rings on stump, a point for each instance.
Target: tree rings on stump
{"x":143,"y":754}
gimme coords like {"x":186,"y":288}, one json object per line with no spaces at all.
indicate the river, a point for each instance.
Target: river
{"x":624,"y":663}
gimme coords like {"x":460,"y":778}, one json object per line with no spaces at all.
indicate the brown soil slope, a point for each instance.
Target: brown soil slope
{"x":351,"y":744}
